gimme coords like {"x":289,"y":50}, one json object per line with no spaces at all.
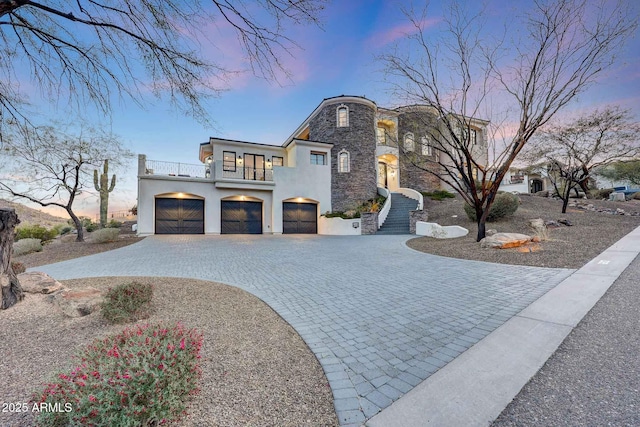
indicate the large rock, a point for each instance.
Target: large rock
{"x":539,"y":228}
{"x":39,"y":283}
{"x":505,"y":240}
{"x":78,"y":302}
{"x":438,"y":231}
{"x":617,"y":197}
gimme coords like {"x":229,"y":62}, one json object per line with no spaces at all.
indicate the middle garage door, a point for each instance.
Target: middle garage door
{"x":241,"y":217}
{"x":301,"y":218}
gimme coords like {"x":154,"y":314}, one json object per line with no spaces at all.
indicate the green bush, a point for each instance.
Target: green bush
{"x":91,"y":227}
{"x":35,"y":232}
{"x":143,"y":376}
{"x":105,"y":235}
{"x":505,"y":204}
{"x":114,"y":224}
{"x":18,"y":267}
{"x":127,"y":303}
{"x":66,"y":230}
{"x":439,"y":195}
{"x":602,"y":193}
{"x":344,"y":215}
{"x":27,"y":246}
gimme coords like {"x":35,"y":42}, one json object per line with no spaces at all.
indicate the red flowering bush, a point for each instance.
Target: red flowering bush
{"x":140,"y":377}
{"x":127,"y":303}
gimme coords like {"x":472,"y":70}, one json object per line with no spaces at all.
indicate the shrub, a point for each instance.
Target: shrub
{"x":35,"y":232}
{"x":127,"y":303}
{"x":114,"y":224}
{"x":635,"y":196}
{"x":91,"y":227}
{"x":18,"y":267}
{"x":439,"y":195}
{"x":344,"y":215}
{"x":602,"y":193}
{"x":105,"y":235}
{"x":65,"y":230}
{"x":505,"y":204}
{"x":27,"y":246}
{"x":140,"y":377}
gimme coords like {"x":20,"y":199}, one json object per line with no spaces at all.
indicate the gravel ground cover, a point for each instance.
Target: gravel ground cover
{"x":593,"y":379}
{"x":257,"y":371}
{"x":568,"y":247}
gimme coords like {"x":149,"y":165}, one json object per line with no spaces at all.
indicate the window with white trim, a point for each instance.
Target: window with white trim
{"x":318,"y":158}
{"x":277,"y":161}
{"x":342,"y":116}
{"x":409,"y":142}
{"x":229,"y":161}
{"x":425,"y":143}
{"x":344,"y":161}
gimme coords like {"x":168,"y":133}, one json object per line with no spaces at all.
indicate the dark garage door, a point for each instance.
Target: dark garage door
{"x":179,"y":216}
{"x":241,"y":217}
{"x":299,"y":218}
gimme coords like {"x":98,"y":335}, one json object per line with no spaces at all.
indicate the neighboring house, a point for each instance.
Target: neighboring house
{"x":519,"y":180}
{"x":338,"y":158}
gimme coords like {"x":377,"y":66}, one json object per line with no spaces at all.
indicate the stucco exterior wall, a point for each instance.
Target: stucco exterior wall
{"x":349,"y":189}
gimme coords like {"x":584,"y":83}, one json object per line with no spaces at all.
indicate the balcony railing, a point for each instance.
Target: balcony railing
{"x":250,"y":174}
{"x":157,"y":167}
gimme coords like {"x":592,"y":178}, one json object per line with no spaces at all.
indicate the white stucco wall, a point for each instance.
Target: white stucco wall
{"x":339,"y":226}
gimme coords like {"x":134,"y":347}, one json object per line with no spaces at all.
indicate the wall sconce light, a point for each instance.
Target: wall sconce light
{"x":207,"y":173}
{"x":355,"y":224}
{"x":239,"y":160}
{"x":392,"y":173}
{"x":268,"y":163}
{"x":209,"y":160}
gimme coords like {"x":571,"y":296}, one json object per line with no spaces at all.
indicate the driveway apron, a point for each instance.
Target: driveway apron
{"x":380,"y":317}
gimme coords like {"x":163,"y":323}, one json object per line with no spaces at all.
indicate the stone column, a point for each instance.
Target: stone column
{"x":369,"y":222}
{"x":415,"y":216}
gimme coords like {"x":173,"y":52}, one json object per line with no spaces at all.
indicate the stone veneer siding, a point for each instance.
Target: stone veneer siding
{"x":415,"y":216}
{"x":411,"y":176}
{"x":349,"y":189}
{"x":369,"y":221}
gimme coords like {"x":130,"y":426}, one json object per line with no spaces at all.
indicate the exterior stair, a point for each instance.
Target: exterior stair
{"x":397,"y":221}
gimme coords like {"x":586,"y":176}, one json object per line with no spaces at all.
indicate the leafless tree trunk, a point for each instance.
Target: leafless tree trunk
{"x":463,"y":74}
{"x":11,"y":291}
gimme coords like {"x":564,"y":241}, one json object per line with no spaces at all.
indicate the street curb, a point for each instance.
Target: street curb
{"x":475,"y":387}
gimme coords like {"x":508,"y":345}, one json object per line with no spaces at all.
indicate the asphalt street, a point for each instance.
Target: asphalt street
{"x":593,"y":379}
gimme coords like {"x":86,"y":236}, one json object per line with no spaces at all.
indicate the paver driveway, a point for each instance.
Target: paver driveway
{"x":379,"y":316}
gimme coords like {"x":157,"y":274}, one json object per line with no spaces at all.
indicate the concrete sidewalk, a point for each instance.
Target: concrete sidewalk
{"x":475,"y":388}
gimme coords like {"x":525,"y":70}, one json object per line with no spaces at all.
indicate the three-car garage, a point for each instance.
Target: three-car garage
{"x":187,"y":216}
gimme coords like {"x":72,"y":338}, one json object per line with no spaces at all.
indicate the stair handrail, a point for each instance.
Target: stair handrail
{"x":382,"y":215}
{"x":412,"y":194}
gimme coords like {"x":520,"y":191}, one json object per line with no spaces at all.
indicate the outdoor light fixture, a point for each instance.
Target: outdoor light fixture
{"x":392,"y":173}
{"x":355,"y":224}
{"x":209,"y":159}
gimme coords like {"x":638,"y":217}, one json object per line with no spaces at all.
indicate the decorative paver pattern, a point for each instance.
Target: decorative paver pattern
{"x":379,"y":316}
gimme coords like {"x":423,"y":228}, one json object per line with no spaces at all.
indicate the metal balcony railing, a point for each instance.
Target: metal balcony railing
{"x":249,"y":174}
{"x":157,"y":167}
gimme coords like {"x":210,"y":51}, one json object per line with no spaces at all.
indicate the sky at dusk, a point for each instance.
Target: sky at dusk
{"x":339,"y":58}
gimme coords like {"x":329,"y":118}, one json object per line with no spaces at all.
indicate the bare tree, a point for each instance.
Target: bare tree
{"x":464,"y":76}
{"x":88,"y":51}
{"x":52,"y":168}
{"x":572,"y":150}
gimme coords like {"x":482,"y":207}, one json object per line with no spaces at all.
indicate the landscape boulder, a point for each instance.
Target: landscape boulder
{"x":539,"y":228}
{"x":505,"y":240}
{"x":438,"y":231}
{"x":78,"y":302}
{"x":617,"y":197}
{"x":565,"y":221}
{"x":39,"y":283}
{"x":490,"y":232}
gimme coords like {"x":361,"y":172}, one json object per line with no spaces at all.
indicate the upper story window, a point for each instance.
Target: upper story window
{"x":409,"y":142}
{"x":229,"y":161}
{"x":425,"y":143}
{"x":342,"y":116}
{"x":344,"y":161}
{"x":470,"y":135}
{"x":473,"y":137}
{"x":381,"y":135}
{"x":277,"y":161}
{"x":318,"y":158}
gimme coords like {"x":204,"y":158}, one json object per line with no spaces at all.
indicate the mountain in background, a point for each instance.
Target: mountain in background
{"x":30,"y":216}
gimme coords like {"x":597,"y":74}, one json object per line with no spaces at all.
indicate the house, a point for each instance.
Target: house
{"x":344,"y":153}
{"x":526,"y":180}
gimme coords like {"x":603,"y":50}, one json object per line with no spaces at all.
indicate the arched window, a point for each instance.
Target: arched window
{"x":342,"y":116}
{"x":344,"y":161}
{"x":409,"y":142}
{"x":425,"y":143}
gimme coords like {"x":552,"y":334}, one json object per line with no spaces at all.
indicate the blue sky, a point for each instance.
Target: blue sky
{"x":338,"y":59}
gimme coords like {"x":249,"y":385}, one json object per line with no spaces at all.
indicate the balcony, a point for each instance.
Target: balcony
{"x":249,"y":174}
{"x":184,"y":170}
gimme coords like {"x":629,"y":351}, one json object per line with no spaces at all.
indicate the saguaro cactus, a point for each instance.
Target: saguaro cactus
{"x":104,"y":190}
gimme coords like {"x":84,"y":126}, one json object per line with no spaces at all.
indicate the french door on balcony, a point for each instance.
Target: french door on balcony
{"x":254,"y":167}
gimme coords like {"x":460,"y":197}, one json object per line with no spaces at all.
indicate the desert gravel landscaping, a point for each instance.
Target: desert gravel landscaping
{"x":568,"y":247}
{"x":257,"y":371}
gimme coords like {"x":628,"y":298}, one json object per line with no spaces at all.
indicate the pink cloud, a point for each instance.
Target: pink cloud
{"x":390,"y":35}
